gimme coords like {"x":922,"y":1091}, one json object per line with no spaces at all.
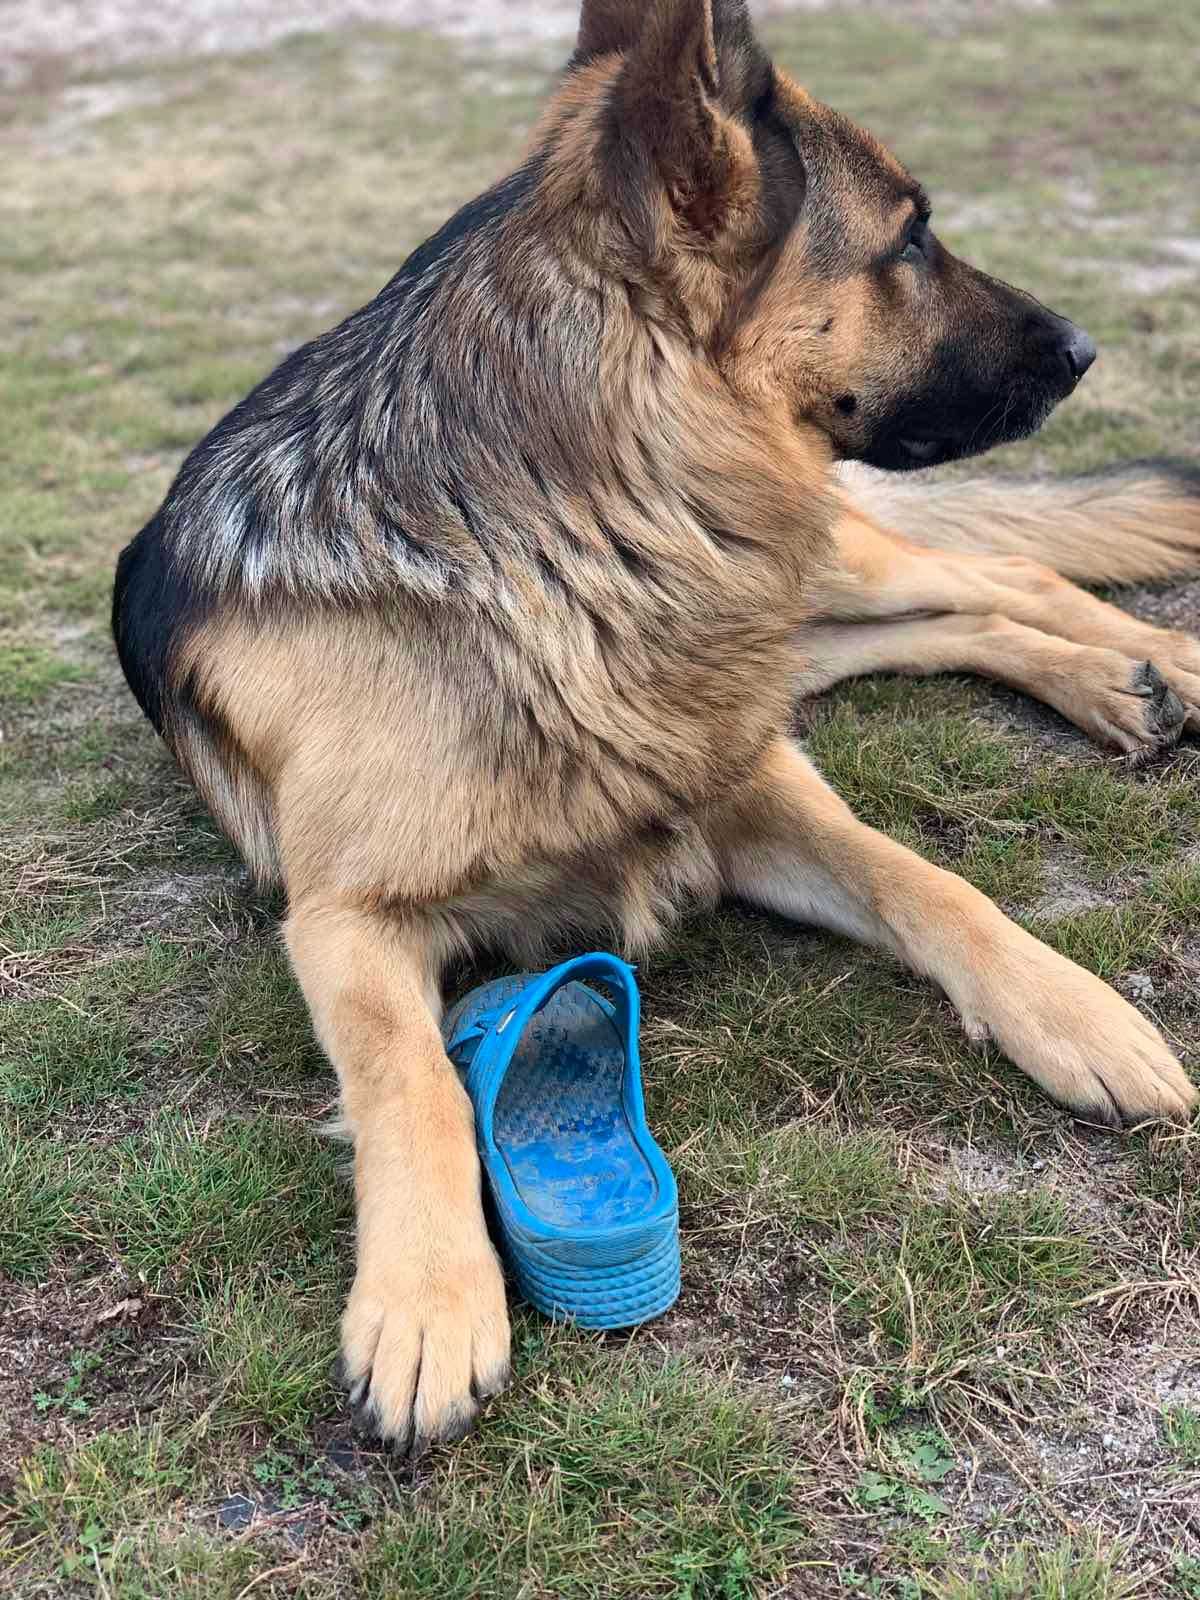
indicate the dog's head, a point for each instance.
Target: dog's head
{"x":796,"y":248}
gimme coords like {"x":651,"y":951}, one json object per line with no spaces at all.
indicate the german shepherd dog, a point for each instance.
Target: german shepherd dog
{"x":479,"y":622}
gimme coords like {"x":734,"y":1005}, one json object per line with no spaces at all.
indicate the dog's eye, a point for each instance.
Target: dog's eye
{"x":914,"y":247}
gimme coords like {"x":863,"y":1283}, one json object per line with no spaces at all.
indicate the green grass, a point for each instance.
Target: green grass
{"x":957,"y":790}
{"x":1176,"y":889}
{"x":912,"y":1289}
{"x":71,"y":1061}
{"x":28,"y":672}
{"x":34,"y":1203}
{"x":1109,"y":940}
{"x":109,"y":1517}
{"x":182,"y":1202}
{"x":603,"y":1475}
{"x":806,"y":1177}
{"x":965,"y":1292}
{"x":271,"y":1347}
{"x":1111,"y":822}
{"x":628,"y":1477}
{"x":92,"y":1048}
{"x":85,"y":1048}
{"x":257,"y":1022}
{"x":1181,"y":1428}
{"x":1067,"y":1572}
{"x":98,"y":800}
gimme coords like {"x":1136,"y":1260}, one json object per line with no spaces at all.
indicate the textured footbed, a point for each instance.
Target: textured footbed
{"x":559,"y":1120}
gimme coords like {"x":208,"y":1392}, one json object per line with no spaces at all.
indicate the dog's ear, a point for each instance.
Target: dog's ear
{"x":684,"y":85}
{"x":607,"y":26}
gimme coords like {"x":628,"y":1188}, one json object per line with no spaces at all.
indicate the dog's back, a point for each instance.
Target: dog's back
{"x":470,"y":544}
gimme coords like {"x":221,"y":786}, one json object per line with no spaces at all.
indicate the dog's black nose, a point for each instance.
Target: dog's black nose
{"x":1078,"y":351}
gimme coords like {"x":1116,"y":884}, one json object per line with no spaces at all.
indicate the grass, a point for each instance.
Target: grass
{"x":622,"y":1473}
{"x":271,"y":1346}
{"x":71,"y":1061}
{"x":1069,"y":1572}
{"x":178,"y":1201}
{"x":34,"y":1211}
{"x":916,"y":1299}
{"x":1181,"y":1425}
{"x":181,"y":1203}
{"x":27,"y":672}
{"x":952,"y":787}
{"x":109,"y":1515}
{"x":806,"y":1177}
{"x":1109,"y":940}
{"x":965,"y":1291}
{"x":631,"y":1477}
{"x":1169,"y":1178}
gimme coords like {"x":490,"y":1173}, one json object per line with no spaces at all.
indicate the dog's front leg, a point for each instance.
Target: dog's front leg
{"x":790,"y":844}
{"x":425,"y":1335}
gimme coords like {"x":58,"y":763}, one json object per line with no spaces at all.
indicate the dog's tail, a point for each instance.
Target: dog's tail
{"x":1122,"y":526}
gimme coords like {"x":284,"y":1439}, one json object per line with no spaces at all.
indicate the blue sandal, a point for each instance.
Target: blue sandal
{"x":586,"y":1204}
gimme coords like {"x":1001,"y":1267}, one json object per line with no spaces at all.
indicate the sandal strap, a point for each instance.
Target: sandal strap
{"x":481,"y":1025}
{"x":474,"y":1045}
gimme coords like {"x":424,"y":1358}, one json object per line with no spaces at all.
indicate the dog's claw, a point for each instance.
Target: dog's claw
{"x":421,"y":1347}
{"x":1166,"y":712}
{"x":1152,"y":723}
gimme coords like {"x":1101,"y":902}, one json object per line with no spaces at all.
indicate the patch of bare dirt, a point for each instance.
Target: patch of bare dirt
{"x":1104,"y":1462}
{"x":1066,"y":895}
{"x":76,"y":1356}
{"x":1176,"y":607}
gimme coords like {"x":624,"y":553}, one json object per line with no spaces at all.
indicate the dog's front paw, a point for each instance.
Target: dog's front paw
{"x":1086,"y":1046}
{"x":1127,"y":705}
{"x":425,"y":1338}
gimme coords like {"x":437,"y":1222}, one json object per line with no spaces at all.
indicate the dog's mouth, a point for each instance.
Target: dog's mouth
{"x":914,"y":442}
{"x":909,"y":452}
{"x":922,"y":452}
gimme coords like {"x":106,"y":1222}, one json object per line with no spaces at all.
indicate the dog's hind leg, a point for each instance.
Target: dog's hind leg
{"x":879,"y":575}
{"x":1032,"y":595}
{"x":790,"y":844}
{"x":1116,"y":701}
{"x":425,"y":1334}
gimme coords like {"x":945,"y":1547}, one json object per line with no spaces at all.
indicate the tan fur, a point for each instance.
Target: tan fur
{"x":1129,"y":528}
{"x":1127,"y":684}
{"x":791,"y":844}
{"x":425,"y":1329}
{"x":486,"y":611}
